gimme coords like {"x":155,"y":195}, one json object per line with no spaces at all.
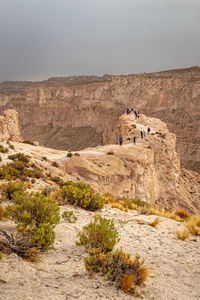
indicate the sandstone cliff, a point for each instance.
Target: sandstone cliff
{"x":83,"y":112}
{"x":149,"y":169}
{"x":10,"y":128}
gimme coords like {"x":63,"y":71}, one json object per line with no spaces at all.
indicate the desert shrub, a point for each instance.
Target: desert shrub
{"x":0,"y":159}
{"x":140,"y":203}
{"x":118,"y":205}
{"x":110,"y":153}
{"x":33,"y":180}
{"x":133,"y":126}
{"x":69,"y":216}
{"x":13,"y":170}
{"x":109,"y":198}
{"x":119,"y":267}
{"x":55,"y":179}
{"x":1,"y":213}
{"x":100,"y":234}
{"x":44,"y":158}
{"x":100,"y":237}
{"x":20,"y":170}
{"x":19,"y":157}
{"x":69,"y":154}
{"x":193,"y":226}
{"x":11,"y":146}
{"x":181,"y":213}
{"x":7,"y":189}
{"x":3,"y":149}
{"x":162,"y":135}
{"x":36,"y":215}
{"x":27,"y":141}
{"x":182,"y":235}
{"x":55,"y":164}
{"x":0,"y":256}
{"x":82,"y":195}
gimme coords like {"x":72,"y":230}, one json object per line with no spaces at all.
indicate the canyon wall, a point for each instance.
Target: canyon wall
{"x":81,"y":113}
{"x":10,"y":129}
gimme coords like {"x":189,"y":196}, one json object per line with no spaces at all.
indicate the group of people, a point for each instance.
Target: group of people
{"x":142,"y":134}
{"x":130,"y":110}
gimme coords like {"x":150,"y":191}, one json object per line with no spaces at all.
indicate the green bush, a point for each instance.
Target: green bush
{"x":140,"y":203}
{"x":69,"y":216}
{"x":100,"y":238}
{"x":100,"y":234}
{"x":11,"y":146}
{"x":69,"y":154}
{"x":82,"y":195}
{"x":19,"y":170}
{"x":110,"y":153}
{"x":3,"y":149}
{"x":55,"y":164}
{"x":19,"y":157}
{"x":7,"y":189}
{"x":133,"y":126}
{"x":0,"y":256}
{"x":36,"y":216}
{"x":27,"y":141}
{"x":1,"y":213}
{"x":0,"y":159}
{"x":119,"y":267}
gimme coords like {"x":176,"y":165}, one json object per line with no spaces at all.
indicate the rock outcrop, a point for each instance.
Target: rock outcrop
{"x":10,"y":129}
{"x":149,"y":169}
{"x":79,"y":112}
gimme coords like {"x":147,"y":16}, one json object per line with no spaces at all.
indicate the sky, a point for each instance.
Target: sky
{"x":45,"y":38}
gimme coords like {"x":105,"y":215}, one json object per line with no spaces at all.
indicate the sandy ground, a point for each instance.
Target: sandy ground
{"x":60,"y":274}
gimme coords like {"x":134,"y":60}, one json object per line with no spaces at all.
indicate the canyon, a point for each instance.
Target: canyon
{"x":83,"y":111}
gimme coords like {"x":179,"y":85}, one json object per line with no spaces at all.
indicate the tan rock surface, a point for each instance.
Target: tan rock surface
{"x":10,"y":128}
{"x":149,"y":169}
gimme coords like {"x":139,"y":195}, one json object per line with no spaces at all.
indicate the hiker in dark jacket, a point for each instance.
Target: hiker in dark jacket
{"x":141,"y":133}
{"x":134,"y":140}
{"x":148,"y":130}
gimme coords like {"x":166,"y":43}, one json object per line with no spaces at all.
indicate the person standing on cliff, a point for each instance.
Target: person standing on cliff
{"x":148,"y":130}
{"x":134,"y":140}
{"x":120,"y":140}
{"x":141,"y":133}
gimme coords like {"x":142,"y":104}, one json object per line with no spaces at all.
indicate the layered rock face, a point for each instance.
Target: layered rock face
{"x":76,"y":114}
{"x":10,"y":128}
{"x":149,"y":169}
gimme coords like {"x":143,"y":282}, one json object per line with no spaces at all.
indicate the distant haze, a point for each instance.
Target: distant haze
{"x":43,"y":38}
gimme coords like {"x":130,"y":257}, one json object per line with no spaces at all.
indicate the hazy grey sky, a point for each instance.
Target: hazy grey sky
{"x":43,"y":38}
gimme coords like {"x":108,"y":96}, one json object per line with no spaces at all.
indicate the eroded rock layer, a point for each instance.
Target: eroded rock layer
{"x":83,"y":111}
{"x":10,"y":129}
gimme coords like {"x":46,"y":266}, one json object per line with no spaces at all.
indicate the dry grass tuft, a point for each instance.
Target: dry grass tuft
{"x":182,"y":235}
{"x":117,"y":205}
{"x":127,"y":281}
{"x":192,"y":225}
{"x":181,"y":213}
{"x":155,"y":222}
{"x":109,"y":198}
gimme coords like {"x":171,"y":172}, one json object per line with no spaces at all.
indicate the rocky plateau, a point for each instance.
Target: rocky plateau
{"x":83,"y":111}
